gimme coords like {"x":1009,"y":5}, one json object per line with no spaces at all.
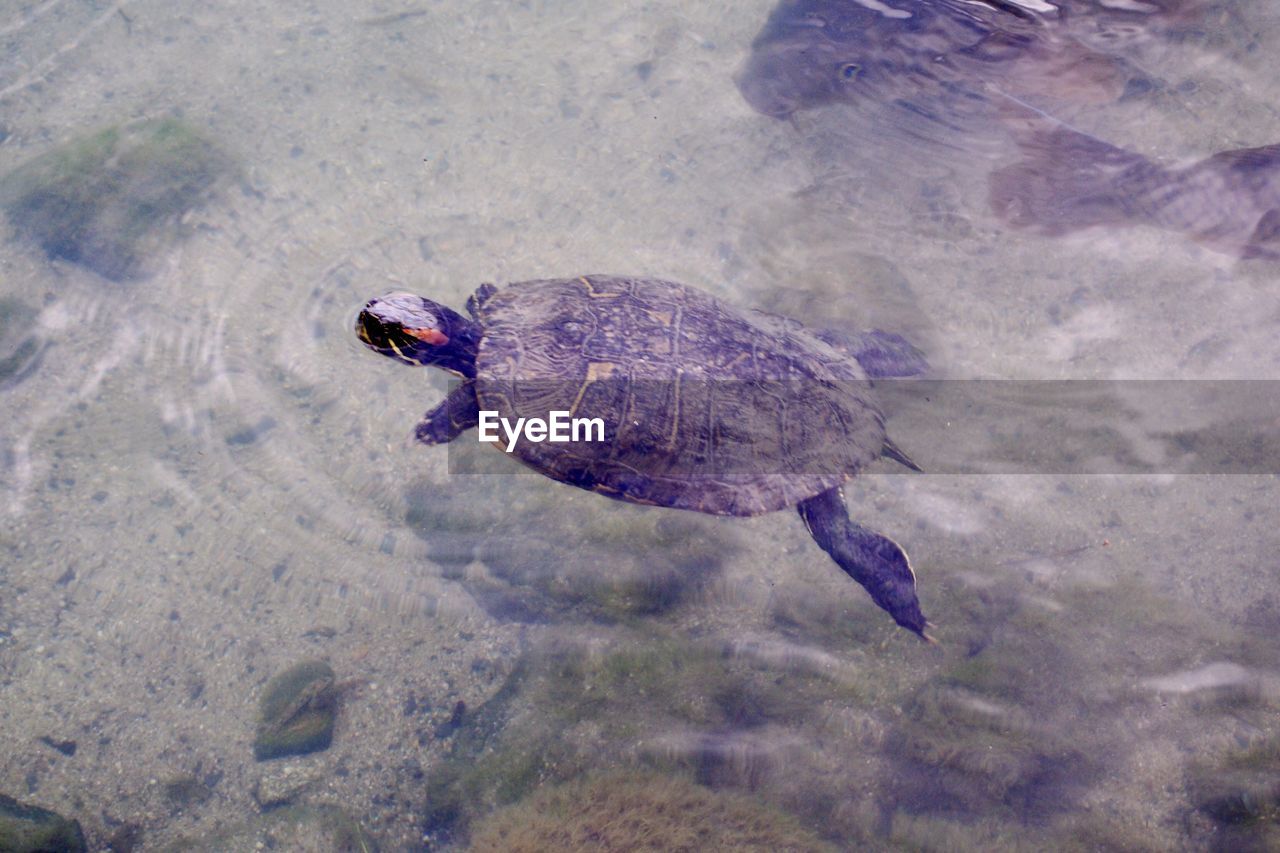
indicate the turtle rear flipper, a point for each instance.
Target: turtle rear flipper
{"x":875,"y":561}
{"x":881,"y":355}
{"x":896,"y":453}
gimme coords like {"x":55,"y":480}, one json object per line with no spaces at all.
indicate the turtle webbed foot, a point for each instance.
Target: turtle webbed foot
{"x":882,"y":355}
{"x":888,"y":577}
{"x":875,"y":561}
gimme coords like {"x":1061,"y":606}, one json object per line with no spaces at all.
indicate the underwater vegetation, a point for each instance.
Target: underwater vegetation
{"x":296,"y":712}
{"x":484,"y":768}
{"x":959,"y":752}
{"x":641,"y":811}
{"x":107,"y":200}
{"x":1028,"y":712}
{"x":996,"y":731}
{"x":1240,"y":792}
{"x":1042,"y":702}
{"x":689,"y":708}
{"x":31,"y":829}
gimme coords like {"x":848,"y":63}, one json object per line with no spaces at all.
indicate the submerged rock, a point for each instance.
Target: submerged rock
{"x":188,"y":790}
{"x":106,"y":200}
{"x":296,"y":712}
{"x":31,"y":829}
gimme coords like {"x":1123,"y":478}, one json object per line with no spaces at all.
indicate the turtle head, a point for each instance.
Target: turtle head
{"x":416,"y":331}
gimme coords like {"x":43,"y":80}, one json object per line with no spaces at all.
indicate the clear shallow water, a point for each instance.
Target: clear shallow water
{"x":206,"y":478}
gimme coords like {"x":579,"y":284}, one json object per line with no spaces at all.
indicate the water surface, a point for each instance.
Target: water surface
{"x":206,"y":478}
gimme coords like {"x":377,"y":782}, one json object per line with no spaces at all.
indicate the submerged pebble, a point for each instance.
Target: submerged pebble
{"x":283,"y":787}
{"x":104,"y":200}
{"x":296,"y":712}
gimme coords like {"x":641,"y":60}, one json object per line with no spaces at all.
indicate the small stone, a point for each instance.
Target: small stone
{"x":281,"y":787}
{"x":66,"y":747}
{"x":186,"y":790}
{"x":296,"y":712}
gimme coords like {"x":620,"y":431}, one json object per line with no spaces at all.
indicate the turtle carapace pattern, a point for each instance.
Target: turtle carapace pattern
{"x":705,"y":406}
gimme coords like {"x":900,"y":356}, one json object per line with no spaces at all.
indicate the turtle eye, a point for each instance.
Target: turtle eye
{"x":850,"y":70}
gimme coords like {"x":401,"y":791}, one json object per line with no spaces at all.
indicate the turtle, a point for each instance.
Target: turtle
{"x":705,"y":406}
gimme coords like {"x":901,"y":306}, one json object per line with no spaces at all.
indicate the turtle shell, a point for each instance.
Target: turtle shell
{"x":705,"y":406}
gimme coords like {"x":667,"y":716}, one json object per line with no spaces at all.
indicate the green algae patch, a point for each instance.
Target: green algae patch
{"x":1240,"y":799}
{"x":489,"y":765}
{"x":1241,"y":794}
{"x":31,"y":829}
{"x":663,"y":704}
{"x":643,"y":811}
{"x":109,"y":200}
{"x":296,"y":712}
{"x":960,"y":752}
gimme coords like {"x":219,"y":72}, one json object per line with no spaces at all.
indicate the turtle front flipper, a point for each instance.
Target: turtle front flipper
{"x":875,"y":561}
{"x":477,"y":299}
{"x":459,"y":412}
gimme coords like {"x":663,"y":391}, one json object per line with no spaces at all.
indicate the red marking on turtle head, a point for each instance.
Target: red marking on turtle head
{"x":435,"y":337}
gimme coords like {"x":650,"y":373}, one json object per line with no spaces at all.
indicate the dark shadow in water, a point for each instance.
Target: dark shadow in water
{"x":20,"y":350}
{"x":551,"y":566}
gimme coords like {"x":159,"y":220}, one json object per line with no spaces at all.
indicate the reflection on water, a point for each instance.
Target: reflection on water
{"x":206,"y":479}
{"x":949,"y":78}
